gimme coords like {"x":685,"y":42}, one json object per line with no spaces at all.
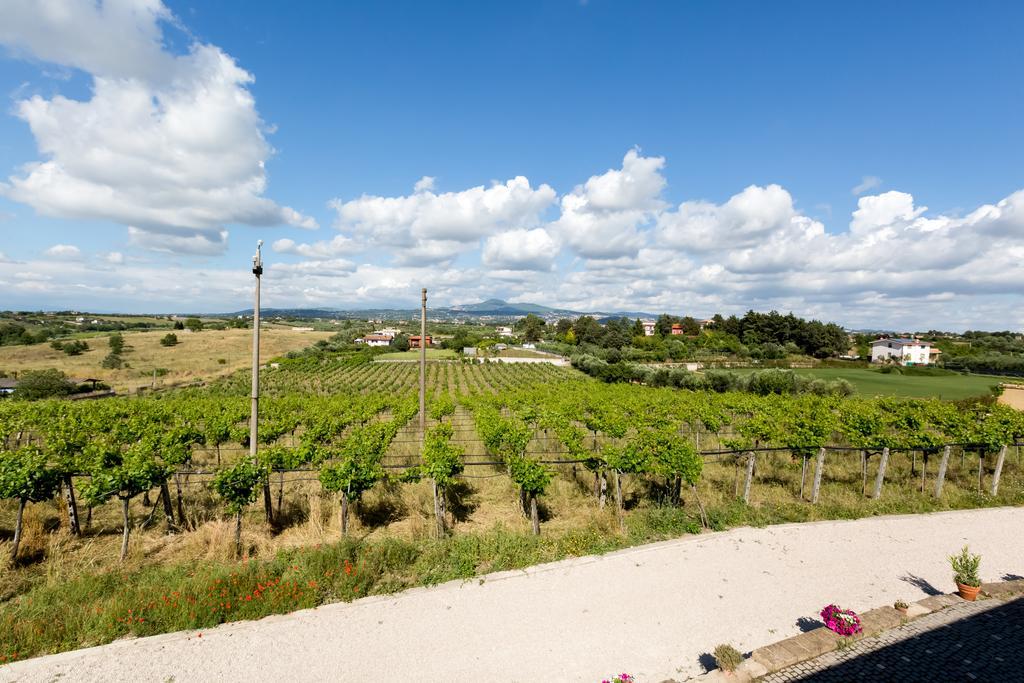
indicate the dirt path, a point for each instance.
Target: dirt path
{"x":650,"y":611}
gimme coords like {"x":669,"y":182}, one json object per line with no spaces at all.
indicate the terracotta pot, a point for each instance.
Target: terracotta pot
{"x":968,"y":593}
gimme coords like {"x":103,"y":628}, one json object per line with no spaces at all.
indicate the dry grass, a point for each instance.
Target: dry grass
{"x":196,"y":357}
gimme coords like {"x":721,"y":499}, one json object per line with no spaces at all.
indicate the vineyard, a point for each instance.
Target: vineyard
{"x":519,"y":447}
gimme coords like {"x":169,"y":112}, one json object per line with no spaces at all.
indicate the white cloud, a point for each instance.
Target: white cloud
{"x":884,"y":212}
{"x":64,"y":251}
{"x":868,"y":182}
{"x":602,"y":218}
{"x":744,"y":220}
{"x":436,"y":227}
{"x":169,"y":144}
{"x":521,"y":250}
{"x":317,"y":250}
{"x":114,"y":257}
{"x":424,"y":184}
{"x":203,"y":243}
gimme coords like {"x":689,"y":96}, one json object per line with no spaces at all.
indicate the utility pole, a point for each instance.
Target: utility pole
{"x":257,"y":270}
{"x":423,"y":365}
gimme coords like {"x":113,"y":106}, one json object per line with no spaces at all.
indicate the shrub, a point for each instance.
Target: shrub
{"x":900,"y":604}
{"x":116,"y":343}
{"x":169,"y":339}
{"x":75,"y":348}
{"x":772,"y":382}
{"x":112,"y":361}
{"x":965,"y":567}
{"x":36,"y":384}
{"x":727,"y":657}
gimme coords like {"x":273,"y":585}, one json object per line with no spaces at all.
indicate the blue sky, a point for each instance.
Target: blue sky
{"x":858,"y":162}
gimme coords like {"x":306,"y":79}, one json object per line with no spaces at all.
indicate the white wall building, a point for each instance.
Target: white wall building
{"x":375,"y":340}
{"x":902,"y":351}
{"x":648,"y":327}
{"x":503,"y":331}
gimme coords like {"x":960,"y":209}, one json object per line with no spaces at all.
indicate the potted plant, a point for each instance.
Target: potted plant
{"x":728,"y":658}
{"x":901,"y":607}
{"x":965,"y":573}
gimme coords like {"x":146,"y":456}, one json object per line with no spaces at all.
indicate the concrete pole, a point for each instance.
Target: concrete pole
{"x":423,"y":365}
{"x":999,"y":470}
{"x":941,"y":476}
{"x":257,"y":270}
{"x":818,"y":467}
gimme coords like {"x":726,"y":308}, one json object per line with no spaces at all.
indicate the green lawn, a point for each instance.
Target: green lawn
{"x":414,"y":354}
{"x":872,"y":383}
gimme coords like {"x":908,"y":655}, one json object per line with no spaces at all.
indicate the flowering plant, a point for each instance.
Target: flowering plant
{"x":845,"y":622}
{"x":621,"y":678}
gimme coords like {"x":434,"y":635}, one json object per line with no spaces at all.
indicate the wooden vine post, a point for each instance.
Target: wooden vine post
{"x":534,"y":514}
{"x":864,"y":473}
{"x":999,"y":469}
{"x":803,"y":474}
{"x":880,"y":479}
{"x":819,"y":465}
{"x":941,"y":476}
{"x":618,"y":500}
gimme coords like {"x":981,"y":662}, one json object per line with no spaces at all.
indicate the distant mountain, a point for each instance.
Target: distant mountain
{"x":492,"y":308}
{"x":499,"y":307}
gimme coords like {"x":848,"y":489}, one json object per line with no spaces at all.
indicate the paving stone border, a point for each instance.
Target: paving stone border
{"x":771,"y":658}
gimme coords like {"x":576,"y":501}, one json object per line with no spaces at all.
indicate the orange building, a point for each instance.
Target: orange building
{"x":414,"y":341}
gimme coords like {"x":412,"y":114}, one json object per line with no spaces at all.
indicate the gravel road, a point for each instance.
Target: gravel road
{"x":651,"y":611}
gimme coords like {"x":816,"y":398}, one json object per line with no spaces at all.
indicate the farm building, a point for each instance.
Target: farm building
{"x":503,"y":331}
{"x":902,"y":351}
{"x":648,"y":328}
{"x":414,"y":341}
{"x":677,"y":328}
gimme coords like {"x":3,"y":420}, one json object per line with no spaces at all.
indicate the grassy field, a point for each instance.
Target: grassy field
{"x":196,"y":356}
{"x":414,"y":354}
{"x":872,"y":383}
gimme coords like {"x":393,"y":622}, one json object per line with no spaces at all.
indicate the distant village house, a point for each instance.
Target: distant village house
{"x":902,"y":351}
{"x":414,"y":341}
{"x":375,"y":340}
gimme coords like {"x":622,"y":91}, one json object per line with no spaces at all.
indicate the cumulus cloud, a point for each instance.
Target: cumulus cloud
{"x":63,"y":251}
{"x":424,"y":184}
{"x":435,"y":227}
{"x":317,"y":250}
{"x":744,"y":220}
{"x":169,"y":144}
{"x":521,"y":250}
{"x":602,"y":218}
{"x":868,"y":182}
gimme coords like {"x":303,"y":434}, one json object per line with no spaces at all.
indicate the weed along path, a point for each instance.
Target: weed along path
{"x":651,"y":611}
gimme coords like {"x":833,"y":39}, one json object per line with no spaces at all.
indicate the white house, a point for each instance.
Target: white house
{"x":902,"y":351}
{"x":375,"y":340}
{"x":503,"y":331}
{"x":648,"y":327}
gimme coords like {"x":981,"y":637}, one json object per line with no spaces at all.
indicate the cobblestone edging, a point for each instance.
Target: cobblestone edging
{"x":800,"y":648}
